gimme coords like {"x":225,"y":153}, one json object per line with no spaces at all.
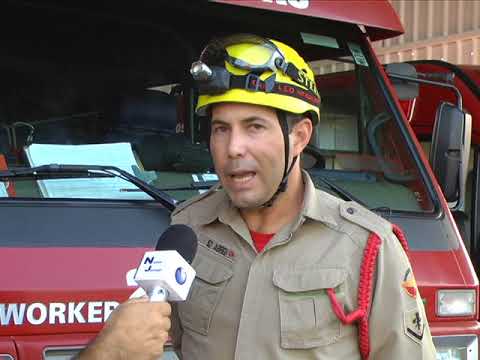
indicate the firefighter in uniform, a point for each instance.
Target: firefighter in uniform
{"x":285,"y":271}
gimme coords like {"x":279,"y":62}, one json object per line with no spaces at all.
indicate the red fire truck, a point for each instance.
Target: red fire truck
{"x":99,"y":142}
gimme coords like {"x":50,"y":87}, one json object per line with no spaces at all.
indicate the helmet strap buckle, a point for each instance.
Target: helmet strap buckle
{"x":252,"y":82}
{"x":281,"y":64}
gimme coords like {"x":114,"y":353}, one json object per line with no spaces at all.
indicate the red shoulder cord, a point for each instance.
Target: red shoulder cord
{"x":367,"y":269}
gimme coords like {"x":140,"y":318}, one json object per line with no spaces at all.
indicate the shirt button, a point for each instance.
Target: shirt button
{"x":350,"y":210}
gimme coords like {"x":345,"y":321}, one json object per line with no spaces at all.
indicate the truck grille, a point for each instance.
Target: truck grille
{"x":70,"y":352}
{"x":61,"y":353}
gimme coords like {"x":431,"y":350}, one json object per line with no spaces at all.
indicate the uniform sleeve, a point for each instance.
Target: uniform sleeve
{"x":398,"y":325}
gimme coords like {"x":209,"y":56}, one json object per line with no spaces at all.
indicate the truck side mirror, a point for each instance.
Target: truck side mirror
{"x":450,"y":152}
{"x":405,"y":90}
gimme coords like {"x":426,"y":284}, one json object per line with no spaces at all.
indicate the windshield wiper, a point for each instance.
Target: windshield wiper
{"x":47,"y":172}
{"x":69,"y":171}
{"x":203,"y":185}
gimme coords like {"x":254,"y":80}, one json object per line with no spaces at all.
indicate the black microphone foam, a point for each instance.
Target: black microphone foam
{"x":181,"y":238}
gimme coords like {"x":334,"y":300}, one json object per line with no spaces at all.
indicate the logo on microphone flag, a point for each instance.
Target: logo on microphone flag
{"x":180,"y":276}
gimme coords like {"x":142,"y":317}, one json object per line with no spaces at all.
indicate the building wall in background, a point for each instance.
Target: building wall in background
{"x":446,"y":30}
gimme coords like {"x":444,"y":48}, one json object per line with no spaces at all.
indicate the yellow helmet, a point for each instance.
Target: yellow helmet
{"x":250,"y":69}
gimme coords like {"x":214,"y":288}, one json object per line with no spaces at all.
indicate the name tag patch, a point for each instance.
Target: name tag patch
{"x":220,"y":249}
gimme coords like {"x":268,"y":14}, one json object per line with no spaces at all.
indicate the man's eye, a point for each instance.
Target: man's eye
{"x":219,"y":129}
{"x":257,"y":126}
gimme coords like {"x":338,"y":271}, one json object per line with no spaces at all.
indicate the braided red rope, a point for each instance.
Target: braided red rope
{"x":401,"y":237}
{"x":367,"y":269}
{"x":360,"y":315}
{"x":365,"y":291}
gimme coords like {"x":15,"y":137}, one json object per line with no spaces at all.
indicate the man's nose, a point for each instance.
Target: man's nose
{"x":237,"y":145}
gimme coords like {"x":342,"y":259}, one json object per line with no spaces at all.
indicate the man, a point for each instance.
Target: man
{"x":284,"y":271}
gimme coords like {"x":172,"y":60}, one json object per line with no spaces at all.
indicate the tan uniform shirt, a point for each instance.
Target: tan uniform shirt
{"x":246,"y":305}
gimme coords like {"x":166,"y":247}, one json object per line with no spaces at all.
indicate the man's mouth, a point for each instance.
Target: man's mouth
{"x":242,"y":177}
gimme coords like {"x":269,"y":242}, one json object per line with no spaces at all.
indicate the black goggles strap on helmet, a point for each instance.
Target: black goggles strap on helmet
{"x":252,"y":82}
{"x":223,"y":81}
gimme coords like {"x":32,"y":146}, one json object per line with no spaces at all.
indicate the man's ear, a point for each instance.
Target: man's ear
{"x":301,"y":134}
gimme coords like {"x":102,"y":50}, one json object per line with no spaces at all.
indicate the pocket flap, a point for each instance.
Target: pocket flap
{"x":211,"y":267}
{"x":308,"y":279}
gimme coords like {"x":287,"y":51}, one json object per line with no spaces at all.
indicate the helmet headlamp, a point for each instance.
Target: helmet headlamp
{"x":201,"y":71}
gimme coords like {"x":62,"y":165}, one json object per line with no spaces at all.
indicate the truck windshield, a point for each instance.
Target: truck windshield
{"x":358,"y":145}
{"x":71,"y":116}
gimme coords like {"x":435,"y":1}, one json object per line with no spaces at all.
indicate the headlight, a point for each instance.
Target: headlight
{"x":456,"y":302}
{"x":462,"y":347}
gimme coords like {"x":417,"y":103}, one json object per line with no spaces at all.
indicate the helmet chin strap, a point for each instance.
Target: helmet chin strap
{"x":282,"y":187}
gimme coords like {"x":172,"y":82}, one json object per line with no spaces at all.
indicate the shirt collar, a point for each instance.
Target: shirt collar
{"x":208,"y":208}
{"x":317,"y":204}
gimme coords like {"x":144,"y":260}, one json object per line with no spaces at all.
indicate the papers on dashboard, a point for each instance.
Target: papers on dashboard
{"x":112,"y":154}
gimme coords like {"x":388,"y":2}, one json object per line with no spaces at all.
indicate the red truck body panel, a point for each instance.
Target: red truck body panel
{"x":7,"y":347}
{"x":30,"y":346}
{"x":378,"y":16}
{"x":450,"y":270}
{"x":76,"y":300}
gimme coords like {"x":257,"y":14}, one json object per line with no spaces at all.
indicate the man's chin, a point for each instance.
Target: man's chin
{"x":248,"y":203}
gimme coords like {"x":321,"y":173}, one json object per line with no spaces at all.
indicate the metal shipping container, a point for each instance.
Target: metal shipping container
{"x":447,"y":30}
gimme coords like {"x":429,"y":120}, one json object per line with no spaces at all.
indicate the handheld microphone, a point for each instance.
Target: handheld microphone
{"x":166,"y":274}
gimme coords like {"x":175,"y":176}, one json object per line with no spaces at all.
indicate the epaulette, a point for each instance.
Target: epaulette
{"x":365,"y":218}
{"x":185,"y":204}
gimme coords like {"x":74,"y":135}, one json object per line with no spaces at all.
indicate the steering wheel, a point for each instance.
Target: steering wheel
{"x":372,"y":127}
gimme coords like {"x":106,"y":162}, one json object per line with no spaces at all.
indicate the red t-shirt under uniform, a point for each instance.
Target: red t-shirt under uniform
{"x":260,"y":239}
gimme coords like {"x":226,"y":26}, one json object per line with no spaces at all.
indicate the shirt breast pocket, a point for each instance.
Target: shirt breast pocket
{"x":306,"y":316}
{"x":212,"y":274}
